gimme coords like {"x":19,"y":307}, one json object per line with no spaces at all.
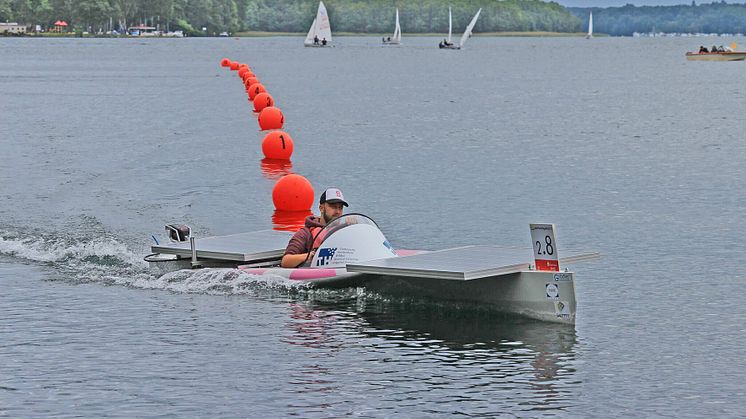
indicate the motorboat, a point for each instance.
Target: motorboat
{"x":353,"y":252}
{"x":716,"y":56}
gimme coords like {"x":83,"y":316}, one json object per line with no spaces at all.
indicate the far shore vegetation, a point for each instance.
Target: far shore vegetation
{"x":368,"y":17}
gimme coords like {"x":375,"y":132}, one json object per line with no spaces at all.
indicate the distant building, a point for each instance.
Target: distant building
{"x":12,"y":28}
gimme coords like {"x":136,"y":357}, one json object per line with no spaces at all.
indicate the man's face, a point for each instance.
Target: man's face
{"x":330,"y":211}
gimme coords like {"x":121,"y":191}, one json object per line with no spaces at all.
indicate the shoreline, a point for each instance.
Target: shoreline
{"x":260,"y":34}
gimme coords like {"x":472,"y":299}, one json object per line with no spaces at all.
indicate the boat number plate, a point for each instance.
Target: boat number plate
{"x":545,"y":247}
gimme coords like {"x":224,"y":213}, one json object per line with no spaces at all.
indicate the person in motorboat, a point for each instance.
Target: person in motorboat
{"x":702,"y":49}
{"x":300,"y":248}
{"x":714,"y":48}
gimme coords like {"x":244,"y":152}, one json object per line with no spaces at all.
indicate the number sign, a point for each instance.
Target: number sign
{"x":545,"y":247}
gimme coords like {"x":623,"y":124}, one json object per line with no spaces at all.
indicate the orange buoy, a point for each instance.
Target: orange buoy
{"x":234,"y":65}
{"x":247,"y":74}
{"x":277,"y":145}
{"x":293,"y":193}
{"x":262,"y":100}
{"x":242,"y":71}
{"x":225,"y":62}
{"x":249,"y":81}
{"x":255,"y":89}
{"x":271,"y":118}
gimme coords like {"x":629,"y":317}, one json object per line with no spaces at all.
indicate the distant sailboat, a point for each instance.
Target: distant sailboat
{"x":320,"y":33}
{"x":396,"y":39}
{"x":590,"y":27}
{"x":448,"y":44}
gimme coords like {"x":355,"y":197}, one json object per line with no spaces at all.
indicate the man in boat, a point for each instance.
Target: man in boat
{"x":300,"y":248}
{"x":323,"y":41}
{"x":702,"y":49}
{"x":315,"y":40}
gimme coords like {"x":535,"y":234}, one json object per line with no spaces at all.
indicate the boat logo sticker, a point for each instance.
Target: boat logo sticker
{"x":552,"y":291}
{"x":564,"y":276}
{"x":325,"y":255}
{"x":562,"y":309}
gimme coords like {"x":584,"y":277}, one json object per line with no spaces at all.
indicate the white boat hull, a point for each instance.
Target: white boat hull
{"x":524,"y":293}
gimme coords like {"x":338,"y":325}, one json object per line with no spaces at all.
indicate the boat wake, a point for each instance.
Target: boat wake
{"x":94,"y":257}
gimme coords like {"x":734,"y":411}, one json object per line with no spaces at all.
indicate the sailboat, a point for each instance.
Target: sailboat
{"x":590,"y":27}
{"x":396,"y":39}
{"x":448,"y":44}
{"x":320,"y":33}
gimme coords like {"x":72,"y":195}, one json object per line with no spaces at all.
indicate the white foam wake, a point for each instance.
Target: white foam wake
{"x":41,"y":249}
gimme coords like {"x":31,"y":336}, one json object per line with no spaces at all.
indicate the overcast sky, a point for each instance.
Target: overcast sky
{"x":614,"y":3}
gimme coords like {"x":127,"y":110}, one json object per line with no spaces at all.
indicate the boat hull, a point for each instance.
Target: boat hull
{"x":317,"y":45}
{"x":546,"y":296}
{"x":716,"y":56}
{"x":540,"y":295}
{"x":449,"y":47}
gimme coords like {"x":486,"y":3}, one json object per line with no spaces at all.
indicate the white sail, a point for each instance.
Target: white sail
{"x":311,"y":32}
{"x":450,"y":25}
{"x":590,"y":27}
{"x":323,"y":27}
{"x":397,"y":28}
{"x":320,"y":29}
{"x":467,"y":32}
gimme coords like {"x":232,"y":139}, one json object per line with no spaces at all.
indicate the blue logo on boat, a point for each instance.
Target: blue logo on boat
{"x":325,"y":255}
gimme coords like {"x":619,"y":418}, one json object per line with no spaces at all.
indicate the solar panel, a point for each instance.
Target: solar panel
{"x":461,"y":263}
{"x":243,"y":247}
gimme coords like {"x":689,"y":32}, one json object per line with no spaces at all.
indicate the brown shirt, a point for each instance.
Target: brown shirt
{"x":302,"y":240}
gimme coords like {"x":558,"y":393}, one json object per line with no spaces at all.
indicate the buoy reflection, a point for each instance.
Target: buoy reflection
{"x":274,"y":169}
{"x":289,"y":220}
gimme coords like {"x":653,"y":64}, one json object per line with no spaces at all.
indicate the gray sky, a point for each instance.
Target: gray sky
{"x":615,"y":3}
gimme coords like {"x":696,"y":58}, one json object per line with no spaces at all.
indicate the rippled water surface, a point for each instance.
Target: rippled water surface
{"x":630,"y":149}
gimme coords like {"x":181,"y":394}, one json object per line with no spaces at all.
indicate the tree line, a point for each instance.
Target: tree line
{"x":718,"y":17}
{"x":361,"y":16}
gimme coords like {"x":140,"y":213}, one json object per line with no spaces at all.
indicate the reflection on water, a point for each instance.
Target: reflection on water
{"x":274,"y":169}
{"x":481,"y":364}
{"x":289,"y":220}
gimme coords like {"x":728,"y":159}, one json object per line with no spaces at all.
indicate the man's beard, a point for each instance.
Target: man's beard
{"x":325,"y":216}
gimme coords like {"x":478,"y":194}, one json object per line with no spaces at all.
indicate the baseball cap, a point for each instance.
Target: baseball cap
{"x":333,"y":195}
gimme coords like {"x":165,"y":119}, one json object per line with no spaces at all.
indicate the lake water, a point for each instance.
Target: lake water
{"x":627,"y":147}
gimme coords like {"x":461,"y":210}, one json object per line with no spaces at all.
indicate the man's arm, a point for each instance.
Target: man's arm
{"x":292,"y":261}
{"x":296,"y":253}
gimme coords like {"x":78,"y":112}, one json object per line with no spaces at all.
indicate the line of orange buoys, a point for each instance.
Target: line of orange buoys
{"x":292,"y":194}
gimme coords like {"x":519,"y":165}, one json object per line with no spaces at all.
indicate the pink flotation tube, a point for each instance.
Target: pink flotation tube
{"x":313,"y":275}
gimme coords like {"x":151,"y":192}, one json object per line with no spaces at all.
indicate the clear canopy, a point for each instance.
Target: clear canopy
{"x":340,"y":223}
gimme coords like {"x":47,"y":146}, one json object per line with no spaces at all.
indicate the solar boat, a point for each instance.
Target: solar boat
{"x":352,"y":252}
